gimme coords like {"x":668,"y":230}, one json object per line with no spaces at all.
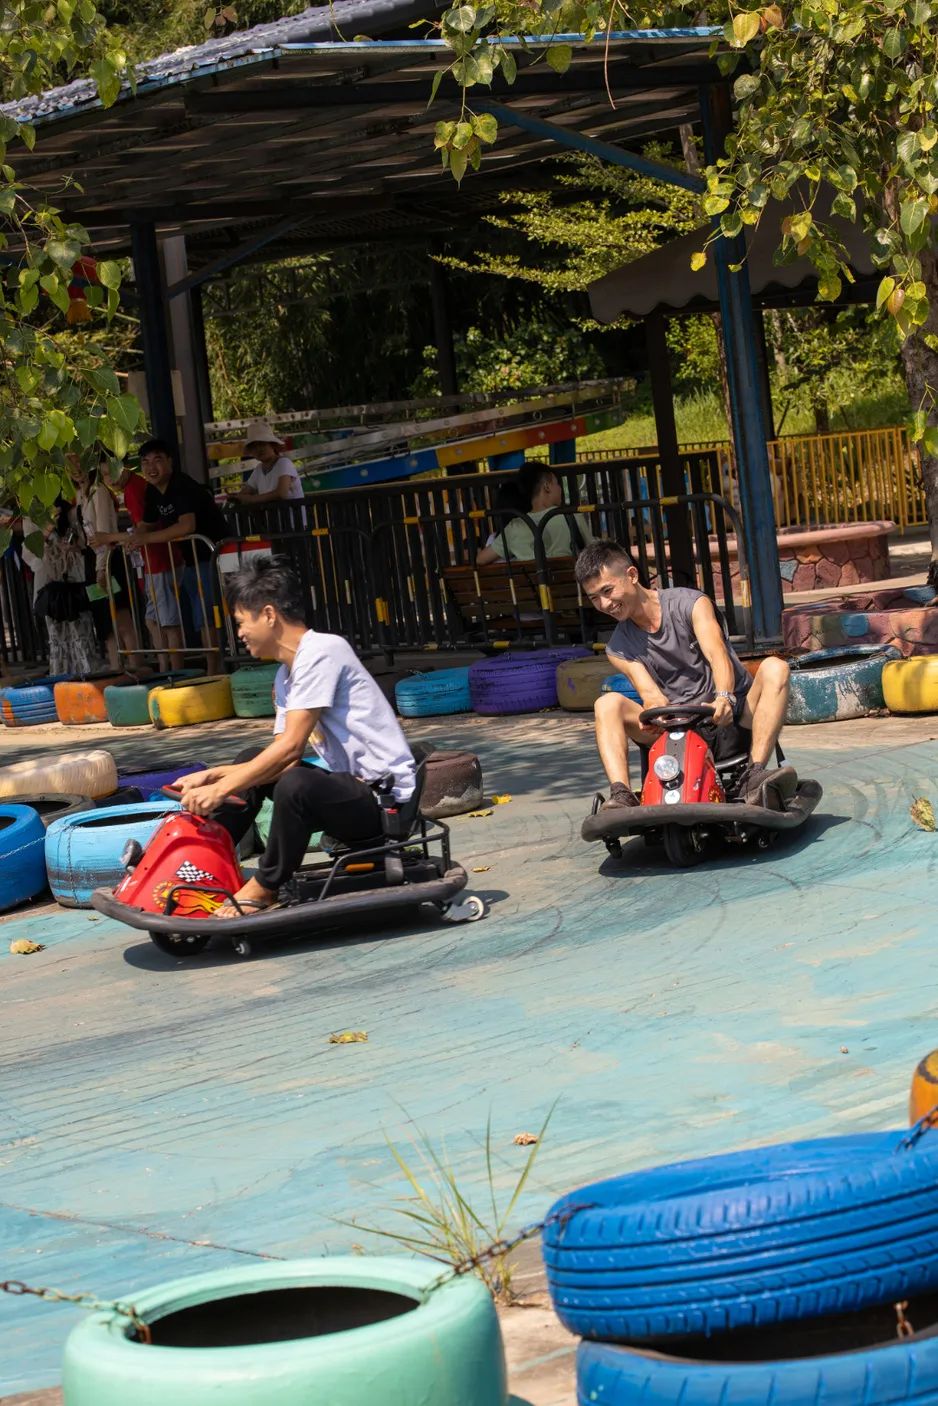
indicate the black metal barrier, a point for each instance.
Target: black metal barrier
{"x":394,"y":566}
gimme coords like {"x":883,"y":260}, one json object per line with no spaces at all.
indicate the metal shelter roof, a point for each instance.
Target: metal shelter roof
{"x":663,"y":280}
{"x":289,"y":138}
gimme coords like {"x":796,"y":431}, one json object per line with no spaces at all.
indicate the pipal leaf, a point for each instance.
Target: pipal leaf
{"x":745,"y":28}
{"x":698,"y":260}
{"x":560,"y":57}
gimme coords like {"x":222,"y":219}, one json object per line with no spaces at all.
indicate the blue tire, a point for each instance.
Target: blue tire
{"x":31,"y":704}
{"x":888,"y":1373}
{"x":22,"y":855}
{"x":829,"y":685}
{"x":618,"y":683}
{"x":519,"y":683}
{"x":83,"y":852}
{"x":430,"y":695}
{"x":778,"y":1233}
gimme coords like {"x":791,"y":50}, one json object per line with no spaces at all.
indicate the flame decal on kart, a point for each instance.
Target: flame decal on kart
{"x":189,"y":903}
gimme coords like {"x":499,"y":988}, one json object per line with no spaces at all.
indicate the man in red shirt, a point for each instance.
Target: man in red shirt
{"x":162,"y":610}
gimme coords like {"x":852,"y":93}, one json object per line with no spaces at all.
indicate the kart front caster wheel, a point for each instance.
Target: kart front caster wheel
{"x":242,"y":947}
{"x":179,"y":944}
{"x":614,"y":847}
{"x":469,"y":910}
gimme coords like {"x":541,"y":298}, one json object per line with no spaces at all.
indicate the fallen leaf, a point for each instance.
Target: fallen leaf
{"x":524,"y":1139}
{"x":23,"y":946}
{"x":481,"y":868}
{"x":844,"y":1050}
{"x":479,"y":814}
{"x":922,"y":812}
{"x":349,"y":1037}
{"x":500,"y":800}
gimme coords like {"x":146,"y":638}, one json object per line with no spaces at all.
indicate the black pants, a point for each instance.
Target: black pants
{"x":305,"y":798}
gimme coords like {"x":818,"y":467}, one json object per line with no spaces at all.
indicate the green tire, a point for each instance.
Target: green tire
{"x":252,"y":691}
{"x":352,"y":1331}
{"x":126,"y":703}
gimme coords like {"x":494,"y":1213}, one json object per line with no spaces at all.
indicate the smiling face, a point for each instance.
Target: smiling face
{"x":614,"y":591}
{"x":157,"y":468}
{"x":258,"y":632}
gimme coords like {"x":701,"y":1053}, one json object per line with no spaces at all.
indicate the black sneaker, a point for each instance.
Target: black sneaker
{"x":620,"y":796}
{"x":748,"y":786}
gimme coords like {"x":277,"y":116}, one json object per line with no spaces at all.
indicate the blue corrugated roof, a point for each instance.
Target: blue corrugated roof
{"x":343,"y":19}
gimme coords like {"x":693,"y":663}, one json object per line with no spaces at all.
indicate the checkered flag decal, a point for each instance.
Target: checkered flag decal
{"x":192,"y":874}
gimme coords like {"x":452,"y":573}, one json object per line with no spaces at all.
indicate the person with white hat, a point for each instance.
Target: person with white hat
{"x":275,"y":477}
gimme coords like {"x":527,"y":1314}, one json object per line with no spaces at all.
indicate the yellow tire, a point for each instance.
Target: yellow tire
{"x":72,"y":774}
{"x":911,"y":685}
{"x":579,"y":682}
{"x":199,"y":701}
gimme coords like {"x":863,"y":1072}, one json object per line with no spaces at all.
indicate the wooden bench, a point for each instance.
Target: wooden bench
{"x":505,"y":598}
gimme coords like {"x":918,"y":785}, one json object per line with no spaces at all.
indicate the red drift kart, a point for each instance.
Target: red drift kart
{"x":189,"y":868}
{"x":684,"y":800}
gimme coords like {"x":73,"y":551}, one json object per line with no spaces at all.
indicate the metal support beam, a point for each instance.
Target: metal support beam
{"x":680,"y":548}
{"x":577,"y":141}
{"x":153,"y":334}
{"x":746,"y":398}
{"x":238,"y":254}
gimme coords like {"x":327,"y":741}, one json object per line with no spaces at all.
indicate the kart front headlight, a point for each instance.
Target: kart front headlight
{"x":667,"y":768}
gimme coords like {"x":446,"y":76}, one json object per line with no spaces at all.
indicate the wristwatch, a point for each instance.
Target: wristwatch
{"x":725,"y":693}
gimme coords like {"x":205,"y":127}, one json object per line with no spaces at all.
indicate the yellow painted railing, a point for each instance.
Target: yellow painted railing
{"x":843,"y":476}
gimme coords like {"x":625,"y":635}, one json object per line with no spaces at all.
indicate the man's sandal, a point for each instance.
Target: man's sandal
{"x":241,"y":907}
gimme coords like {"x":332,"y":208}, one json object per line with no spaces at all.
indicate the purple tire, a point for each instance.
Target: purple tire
{"x":519,"y":683}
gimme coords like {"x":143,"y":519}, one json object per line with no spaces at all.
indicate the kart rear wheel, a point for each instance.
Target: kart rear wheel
{"x":178,"y":944}
{"x":683,"y":845}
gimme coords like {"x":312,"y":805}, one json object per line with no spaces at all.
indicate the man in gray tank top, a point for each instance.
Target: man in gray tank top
{"x":672,"y":648}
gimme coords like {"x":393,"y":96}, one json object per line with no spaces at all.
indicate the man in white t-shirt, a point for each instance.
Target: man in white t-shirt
{"x":275,"y":478}
{"x":321,"y":690}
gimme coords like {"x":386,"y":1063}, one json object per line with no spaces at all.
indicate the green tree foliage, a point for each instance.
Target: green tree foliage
{"x":58,"y":389}
{"x":534,"y":353}
{"x":831,"y":99}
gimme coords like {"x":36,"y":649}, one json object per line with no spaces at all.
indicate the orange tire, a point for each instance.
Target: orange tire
{"x":923,"y":1096}
{"x":82,"y":702}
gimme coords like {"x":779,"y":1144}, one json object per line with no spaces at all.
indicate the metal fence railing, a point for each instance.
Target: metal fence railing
{"x":395,"y":567}
{"x":820,"y":479}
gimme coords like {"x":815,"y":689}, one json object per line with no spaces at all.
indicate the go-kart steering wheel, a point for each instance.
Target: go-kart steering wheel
{"x":676,"y":715}
{"x":175,"y":792}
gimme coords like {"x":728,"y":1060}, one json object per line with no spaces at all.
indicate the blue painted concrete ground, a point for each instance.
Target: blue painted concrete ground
{"x":157,"y":1118}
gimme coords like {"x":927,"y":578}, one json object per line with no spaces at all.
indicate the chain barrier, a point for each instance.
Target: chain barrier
{"x":499,"y":1248}
{"x":496,"y":1250}
{"x":81,"y":1300}
{"x":918,"y":1130}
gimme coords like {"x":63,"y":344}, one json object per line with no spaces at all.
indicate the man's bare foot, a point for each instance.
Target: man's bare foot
{"x":252,"y":897}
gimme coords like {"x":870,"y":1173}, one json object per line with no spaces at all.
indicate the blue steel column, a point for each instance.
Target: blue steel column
{"x":746,"y":398}
{"x":153,"y":335}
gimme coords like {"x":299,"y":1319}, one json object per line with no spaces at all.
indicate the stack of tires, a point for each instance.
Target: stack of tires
{"x":519,"y":683}
{"x":85,"y":851}
{"x":781,"y":1276}
{"x":618,"y":683}
{"x":830,"y":685}
{"x":28,"y":705}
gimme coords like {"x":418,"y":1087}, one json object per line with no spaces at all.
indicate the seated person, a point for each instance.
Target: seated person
{"x":538,"y":490}
{"x":672,"y":648}
{"x":322,"y":688}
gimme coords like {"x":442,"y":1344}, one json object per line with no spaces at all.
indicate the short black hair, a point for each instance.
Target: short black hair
{"x":597,"y":556}
{"x":529,"y":479}
{"x":157,"y":446}
{"x":267,"y":581}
